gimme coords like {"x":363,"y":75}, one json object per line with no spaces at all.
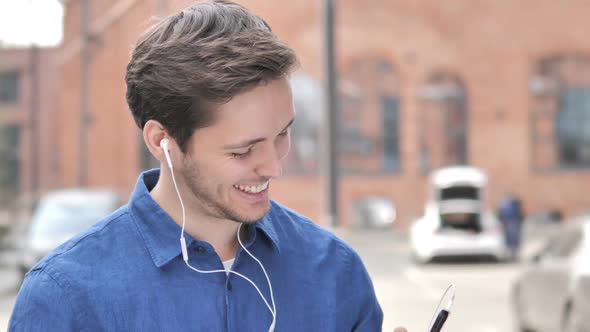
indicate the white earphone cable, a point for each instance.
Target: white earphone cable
{"x":272,"y":298}
{"x":272,"y":310}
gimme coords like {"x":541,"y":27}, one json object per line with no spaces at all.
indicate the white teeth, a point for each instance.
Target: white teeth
{"x":253,"y":189}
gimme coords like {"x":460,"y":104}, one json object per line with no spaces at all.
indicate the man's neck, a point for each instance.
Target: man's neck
{"x":220,"y":233}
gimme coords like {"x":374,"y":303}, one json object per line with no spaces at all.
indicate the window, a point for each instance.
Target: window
{"x":9,"y":165}
{"x":460,"y":192}
{"x":369,"y":115}
{"x":572,"y":123}
{"x":560,"y":119}
{"x":369,"y":136}
{"x":391,"y":137}
{"x":442,"y":135}
{"x":9,"y":86}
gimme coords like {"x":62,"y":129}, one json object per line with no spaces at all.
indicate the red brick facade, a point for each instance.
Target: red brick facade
{"x":30,"y":111}
{"x":489,"y":51}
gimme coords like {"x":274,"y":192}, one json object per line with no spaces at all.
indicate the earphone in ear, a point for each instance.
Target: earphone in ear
{"x":164,"y":145}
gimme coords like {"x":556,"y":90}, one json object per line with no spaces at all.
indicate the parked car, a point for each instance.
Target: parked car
{"x":456,"y":221}
{"x":373,"y":212}
{"x":59,"y":216}
{"x":537,"y":228}
{"x":553,"y":291}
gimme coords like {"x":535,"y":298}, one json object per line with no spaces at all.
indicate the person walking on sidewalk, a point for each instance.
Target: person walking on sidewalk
{"x":511,"y":216}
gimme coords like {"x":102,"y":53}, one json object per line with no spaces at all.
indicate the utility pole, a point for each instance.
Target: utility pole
{"x":84,"y":92}
{"x":34,"y":120}
{"x":332,"y":120}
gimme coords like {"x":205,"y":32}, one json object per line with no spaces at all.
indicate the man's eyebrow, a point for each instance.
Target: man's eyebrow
{"x":243,"y":144}
{"x":288,"y":125}
{"x":249,"y":142}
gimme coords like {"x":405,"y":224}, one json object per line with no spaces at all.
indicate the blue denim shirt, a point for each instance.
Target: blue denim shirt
{"x":126,"y":273}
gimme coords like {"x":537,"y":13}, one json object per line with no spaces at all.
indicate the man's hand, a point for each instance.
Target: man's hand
{"x":400,"y":329}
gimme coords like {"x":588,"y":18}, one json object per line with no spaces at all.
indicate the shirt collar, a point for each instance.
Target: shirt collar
{"x":159,"y":231}
{"x":267,"y":227}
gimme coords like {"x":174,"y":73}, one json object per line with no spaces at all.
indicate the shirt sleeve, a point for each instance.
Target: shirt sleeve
{"x":42,"y":304}
{"x":370,"y":315}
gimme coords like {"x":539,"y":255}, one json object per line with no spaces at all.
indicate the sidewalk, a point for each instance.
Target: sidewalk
{"x":363,"y":237}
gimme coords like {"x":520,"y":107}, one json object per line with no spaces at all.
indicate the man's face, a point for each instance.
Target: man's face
{"x":229,"y":165}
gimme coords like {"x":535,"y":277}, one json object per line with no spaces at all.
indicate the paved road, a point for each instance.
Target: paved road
{"x":408,"y":293}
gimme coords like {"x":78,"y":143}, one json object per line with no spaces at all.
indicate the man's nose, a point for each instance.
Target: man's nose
{"x":271,"y":165}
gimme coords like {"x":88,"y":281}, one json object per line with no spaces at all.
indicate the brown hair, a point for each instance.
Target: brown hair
{"x":189,"y":63}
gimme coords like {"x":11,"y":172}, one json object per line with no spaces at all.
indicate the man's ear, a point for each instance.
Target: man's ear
{"x":153,"y":133}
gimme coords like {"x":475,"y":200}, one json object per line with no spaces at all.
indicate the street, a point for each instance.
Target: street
{"x":408,"y":293}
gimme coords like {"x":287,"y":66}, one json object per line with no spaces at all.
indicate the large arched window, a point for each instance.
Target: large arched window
{"x":442,"y":122}
{"x":369,"y":137}
{"x":560,"y":113}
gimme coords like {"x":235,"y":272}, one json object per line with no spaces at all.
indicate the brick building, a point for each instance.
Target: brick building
{"x":502,"y":85}
{"x":28,"y":89}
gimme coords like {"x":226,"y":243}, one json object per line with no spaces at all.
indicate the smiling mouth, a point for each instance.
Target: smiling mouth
{"x":253,"y":189}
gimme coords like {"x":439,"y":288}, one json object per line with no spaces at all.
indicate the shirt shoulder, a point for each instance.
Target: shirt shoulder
{"x":295,"y":229}
{"x":75,"y":253}
{"x":51,"y":296}
{"x":44,"y":304}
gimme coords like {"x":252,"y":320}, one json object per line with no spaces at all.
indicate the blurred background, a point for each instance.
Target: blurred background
{"x":447,"y":141}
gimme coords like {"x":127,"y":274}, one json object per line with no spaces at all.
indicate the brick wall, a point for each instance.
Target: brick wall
{"x":490,"y":46}
{"x":38,"y":136}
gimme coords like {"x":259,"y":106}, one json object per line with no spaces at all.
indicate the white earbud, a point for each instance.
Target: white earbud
{"x":164,"y":145}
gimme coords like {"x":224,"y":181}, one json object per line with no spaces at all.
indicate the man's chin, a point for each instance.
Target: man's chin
{"x":250,"y":217}
{"x":255,"y":218}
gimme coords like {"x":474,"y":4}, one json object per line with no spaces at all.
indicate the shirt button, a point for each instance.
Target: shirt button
{"x":229,"y":287}
{"x":200,"y":249}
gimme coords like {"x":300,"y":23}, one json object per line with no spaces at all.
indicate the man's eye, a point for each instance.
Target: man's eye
{"x":284,"y":133}
{"x":241,"y":154}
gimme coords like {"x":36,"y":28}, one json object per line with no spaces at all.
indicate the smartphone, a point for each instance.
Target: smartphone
{"x":441,"y":317}
{"x":440,"y":320}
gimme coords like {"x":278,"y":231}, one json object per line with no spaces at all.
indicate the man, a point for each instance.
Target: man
{"x":511,"y":216}
{"x":208,"y":87}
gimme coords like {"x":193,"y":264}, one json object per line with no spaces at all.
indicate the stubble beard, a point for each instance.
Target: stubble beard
{"x":210,"y":198}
